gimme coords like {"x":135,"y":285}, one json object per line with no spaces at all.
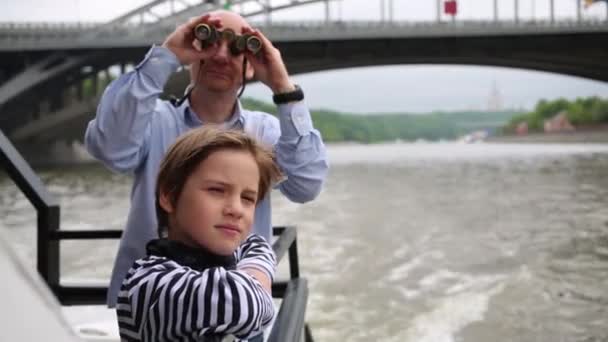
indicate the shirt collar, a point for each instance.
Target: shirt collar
{"x":236,"y":120}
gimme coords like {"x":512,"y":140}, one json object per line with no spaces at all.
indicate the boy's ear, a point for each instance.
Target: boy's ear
{"x":165,"y":202}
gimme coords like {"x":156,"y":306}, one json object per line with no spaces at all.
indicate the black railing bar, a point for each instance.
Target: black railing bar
{"x":289,"y":323}
{"x":112,"y":234}
{"x":283,"y":243}
{"x":24,"y":177}
{"x":307,"y":333}
{"x":294,"y":263}
{"x":278,"y":230}
{"x":278,"y":288}
{"x":47,"y":208}
{"x":85,"y":234}
{"x":96,"y":294}
{"x":81,"y":295}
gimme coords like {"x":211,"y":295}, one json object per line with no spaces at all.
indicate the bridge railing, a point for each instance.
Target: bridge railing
{"x":29,"y":30}
{"x":147,"y":34}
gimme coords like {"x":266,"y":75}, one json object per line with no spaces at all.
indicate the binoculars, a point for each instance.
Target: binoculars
{"x":209,"y":35}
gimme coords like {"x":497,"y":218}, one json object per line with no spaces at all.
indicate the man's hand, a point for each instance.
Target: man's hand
{"x":184,"y":44}
{"x":268,"y":65}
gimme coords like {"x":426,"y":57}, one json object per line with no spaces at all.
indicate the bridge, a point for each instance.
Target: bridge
{"x":51,"y":75}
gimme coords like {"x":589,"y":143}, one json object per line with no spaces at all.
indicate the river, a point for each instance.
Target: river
{"x":407,"y":242}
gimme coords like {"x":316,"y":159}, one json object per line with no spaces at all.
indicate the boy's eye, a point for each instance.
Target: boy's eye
{"x":216,"y":190}
{"x":249,"y":199}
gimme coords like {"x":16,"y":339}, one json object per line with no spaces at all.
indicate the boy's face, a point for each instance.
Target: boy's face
{"x":216,"y":207}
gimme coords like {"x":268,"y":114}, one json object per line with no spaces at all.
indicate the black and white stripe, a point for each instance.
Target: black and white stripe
{"x":161,"y":300}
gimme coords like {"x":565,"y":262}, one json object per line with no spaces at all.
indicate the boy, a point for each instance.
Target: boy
{"x":206,"y":276}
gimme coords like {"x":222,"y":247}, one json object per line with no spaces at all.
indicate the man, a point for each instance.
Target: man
{"x":133,"y":128}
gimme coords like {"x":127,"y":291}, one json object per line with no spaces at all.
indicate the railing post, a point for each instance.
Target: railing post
{"x":46,"y":206}
{"x":552,"y":9}
{"x":294,"y":268}
{"x":516,"y":2}
{"x":48,"y":249}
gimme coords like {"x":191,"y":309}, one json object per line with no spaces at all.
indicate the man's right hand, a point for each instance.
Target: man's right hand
{"x":183,"y":43}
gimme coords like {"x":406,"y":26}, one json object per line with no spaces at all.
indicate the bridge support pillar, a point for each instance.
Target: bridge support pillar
{"x":95,"y":83}
{"x":79,"y":90}
{"x":267,"y":13}
{"x":58,"y":152}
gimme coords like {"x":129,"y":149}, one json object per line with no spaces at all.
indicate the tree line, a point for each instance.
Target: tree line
{"x":336,"y":126}
{"x":586,"y":111}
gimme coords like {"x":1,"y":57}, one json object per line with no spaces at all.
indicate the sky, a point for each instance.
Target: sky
{"x":405,"y":88}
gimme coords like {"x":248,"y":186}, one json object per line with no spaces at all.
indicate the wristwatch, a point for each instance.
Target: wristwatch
{"x":294,"y":95}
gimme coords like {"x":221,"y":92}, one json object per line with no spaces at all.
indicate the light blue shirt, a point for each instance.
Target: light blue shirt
{"x":133,"y":128}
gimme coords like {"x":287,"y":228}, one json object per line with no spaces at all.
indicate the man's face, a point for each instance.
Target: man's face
{"x":222,"y":72}
{"x":216,"y":207}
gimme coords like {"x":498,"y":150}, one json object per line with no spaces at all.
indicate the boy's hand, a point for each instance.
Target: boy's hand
{"x":261,"y":277}
{"x":184,"y":44}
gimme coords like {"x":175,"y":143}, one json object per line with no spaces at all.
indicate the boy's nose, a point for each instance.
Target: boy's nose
{"x":233,"y":207}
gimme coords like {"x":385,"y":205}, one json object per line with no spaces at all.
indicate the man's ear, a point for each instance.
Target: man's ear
{"x":165,"y":202}
{"x":249,"y":71}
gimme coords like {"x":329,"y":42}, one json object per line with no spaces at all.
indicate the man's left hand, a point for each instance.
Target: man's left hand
{"x":268,"y":65}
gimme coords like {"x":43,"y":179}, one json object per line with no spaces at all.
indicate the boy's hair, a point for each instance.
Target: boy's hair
{"x":192,"y":148}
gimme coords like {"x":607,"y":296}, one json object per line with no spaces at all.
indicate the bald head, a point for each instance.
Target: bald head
{"x":231,"y":20}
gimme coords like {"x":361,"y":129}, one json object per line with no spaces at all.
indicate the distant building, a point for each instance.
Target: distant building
{"x":558,"y":123}
{"x":522,"y":128}
{"x":495,"y":99}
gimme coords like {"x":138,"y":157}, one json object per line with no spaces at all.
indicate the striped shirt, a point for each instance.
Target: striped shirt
{"x":161,"y":300}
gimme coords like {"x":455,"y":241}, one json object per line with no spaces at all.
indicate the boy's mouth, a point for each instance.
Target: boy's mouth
{"x":229,"y":228}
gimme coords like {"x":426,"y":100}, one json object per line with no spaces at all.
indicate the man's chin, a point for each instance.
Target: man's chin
{"x":219,"y":88}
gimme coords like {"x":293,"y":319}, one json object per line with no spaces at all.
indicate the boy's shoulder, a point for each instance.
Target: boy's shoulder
{"x":151,"y":264}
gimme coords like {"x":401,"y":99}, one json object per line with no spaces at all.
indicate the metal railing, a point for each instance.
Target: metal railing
{"x":290,"y":321}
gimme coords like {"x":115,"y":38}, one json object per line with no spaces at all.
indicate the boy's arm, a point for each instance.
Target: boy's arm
{"x":215,"y":301}
{"x":120,"y":133}
{"x":256,"y":257}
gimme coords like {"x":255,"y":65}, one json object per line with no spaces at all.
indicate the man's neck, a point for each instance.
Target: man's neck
{"x":212,"y":107}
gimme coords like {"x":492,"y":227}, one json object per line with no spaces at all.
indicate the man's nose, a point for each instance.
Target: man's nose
{"x":223,"y":52}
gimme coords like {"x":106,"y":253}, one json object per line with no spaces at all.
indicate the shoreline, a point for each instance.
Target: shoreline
{"x":583,"y":136}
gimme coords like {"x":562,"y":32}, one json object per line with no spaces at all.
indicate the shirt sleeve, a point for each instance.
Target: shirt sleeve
{"x":176,"y":303}
{"x":300,"y":153}
{"x":119,"y":135}
{"x":256,"y":253}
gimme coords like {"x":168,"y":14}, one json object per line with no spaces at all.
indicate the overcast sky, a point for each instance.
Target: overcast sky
{"x":417,"y":88}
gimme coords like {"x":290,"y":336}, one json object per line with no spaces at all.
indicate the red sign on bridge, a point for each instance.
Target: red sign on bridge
{"x":450,"y":7}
